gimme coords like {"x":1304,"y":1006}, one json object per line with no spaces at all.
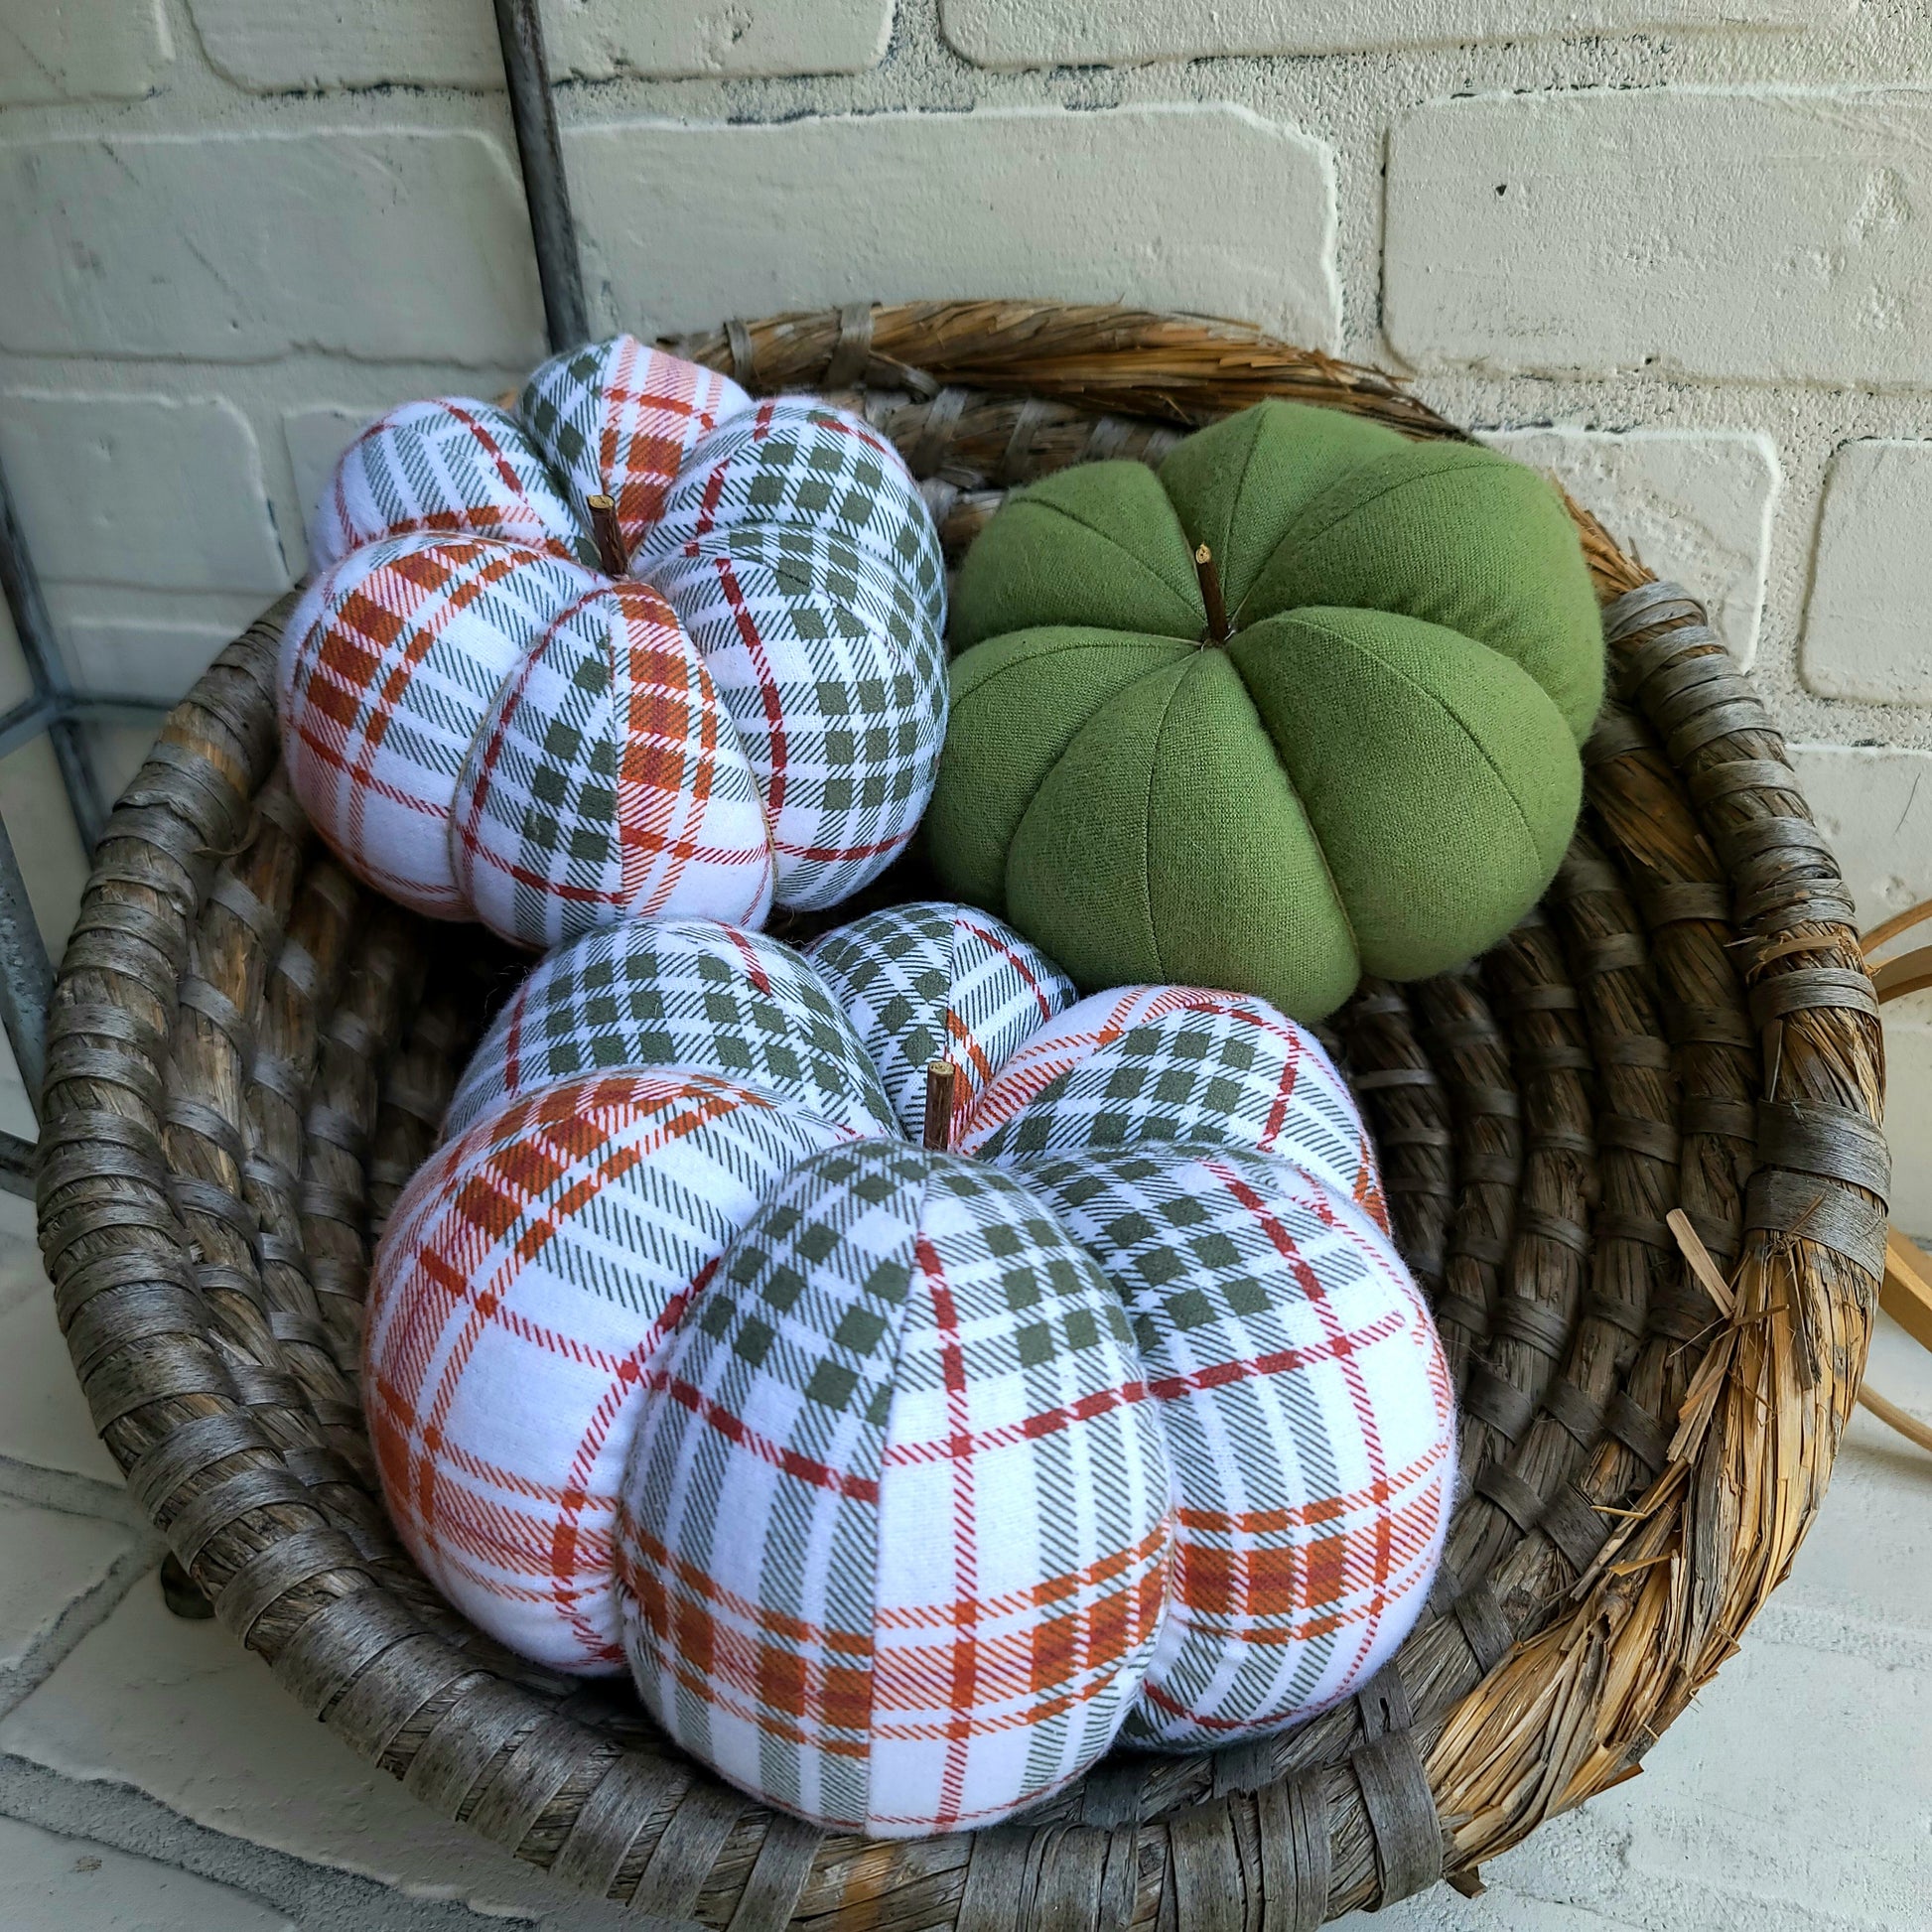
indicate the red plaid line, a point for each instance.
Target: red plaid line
{"x":388,"y":669}
{"x":613,"y":687}
{"x":655,"y":407}
{"x":502,"y":1379}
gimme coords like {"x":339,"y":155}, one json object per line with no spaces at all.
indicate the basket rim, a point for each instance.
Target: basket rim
{"x":285,"y":1579}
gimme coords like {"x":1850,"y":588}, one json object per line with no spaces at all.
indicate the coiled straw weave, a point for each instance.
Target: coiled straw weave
{"x":248,"y":1054}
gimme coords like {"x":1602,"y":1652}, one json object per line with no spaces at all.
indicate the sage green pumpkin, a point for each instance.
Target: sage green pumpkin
{"x":1375,"y":769}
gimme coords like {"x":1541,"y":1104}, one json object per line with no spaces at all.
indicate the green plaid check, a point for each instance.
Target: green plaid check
{"x":835,"y":678}
{"x":893,"y":1527}
{"x":683,"y":992}
{"x":1307,"y":1419}
{"x":924,"y":981}
{"x":794,"y":459}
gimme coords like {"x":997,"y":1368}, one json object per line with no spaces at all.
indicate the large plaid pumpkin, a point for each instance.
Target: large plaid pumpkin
{"x":905,"y":1479}
{"x":484,"y":724}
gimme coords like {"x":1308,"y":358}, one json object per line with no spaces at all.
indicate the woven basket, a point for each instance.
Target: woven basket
{"x":248,"y":1054}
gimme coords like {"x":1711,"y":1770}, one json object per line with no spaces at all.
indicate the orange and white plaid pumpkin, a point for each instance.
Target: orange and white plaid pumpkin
{"x":904,"y":1480}
{"x":485,"y":724}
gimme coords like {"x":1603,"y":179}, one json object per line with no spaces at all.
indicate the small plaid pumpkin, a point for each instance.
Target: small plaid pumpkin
{"x":486,"y":726}
{"x":905,"y":1479}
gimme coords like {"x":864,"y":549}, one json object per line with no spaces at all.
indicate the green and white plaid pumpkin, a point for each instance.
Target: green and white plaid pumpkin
{"x":907,"y":1479}
{"x":484,"y":726}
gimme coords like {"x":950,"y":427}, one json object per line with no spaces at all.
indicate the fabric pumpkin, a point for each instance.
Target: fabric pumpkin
{"x":905,"y":1479}
{"x":484,"y":724}
{"x":1371,"y":765}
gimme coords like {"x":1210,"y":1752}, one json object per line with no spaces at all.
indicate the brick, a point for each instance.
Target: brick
{"x":141,"y":490}
{"x":387,"y":242}
{"x":44,"y":1419}
{"x":1865,"y":633}
{"x":453,"y":42}
{"x":1049,"y":33}
{"x":181,"y":1712}
{"x":597,"y":40}
{"x":351,"y":43}
{"x":50,"y":1884}
{"x":1695,"y":506}
{"x":1874,"y":804}
{"x":52,"y":52}
{"x":1204,"y":208}
{"x":142,"y":657}
{"x":47,"y":1560}
{"x":1768,"y":236}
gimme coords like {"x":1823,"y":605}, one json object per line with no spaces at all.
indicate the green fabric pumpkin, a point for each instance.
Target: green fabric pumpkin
{"x":1375,"y":769}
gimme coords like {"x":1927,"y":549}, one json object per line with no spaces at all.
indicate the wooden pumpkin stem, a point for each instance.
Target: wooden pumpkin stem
{"x":1210,"y":594}
{"x":608,"y":537}
{"x":941,"y":1076}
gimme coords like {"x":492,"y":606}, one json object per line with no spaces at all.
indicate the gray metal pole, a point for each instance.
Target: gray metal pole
{"x":26,"y":974}
{"x":22,"y":587}
{"x":545,"y":190}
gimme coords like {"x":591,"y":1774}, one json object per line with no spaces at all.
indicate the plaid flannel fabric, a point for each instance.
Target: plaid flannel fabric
{"x":389,"y":666}
{"x":607,"y":782}
{"x":931,"y":979}
{"x":453,"y":466}
{"x":794,"y":459}
{"x":1307,"y":1413}
{"x":909,"y":1479}
{"x":893,"y":1529}
{"x":1179,"y":1063}
{"x":618,"y":418}
{"x":529,"y":1274}
{"x":677,"y":993}
{"x":835,"y":678}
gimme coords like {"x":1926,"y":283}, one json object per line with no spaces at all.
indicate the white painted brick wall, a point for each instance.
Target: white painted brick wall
{"x":111,"y":476}
{"x":1690,"y":505}
{"x":1869,"y":619}
{"x":1161,"y":205}
{"x":453,"y":44}
{"x":1678,"y":252}
{"x":387,"y":243}
{"x":1041,"y":33}
{"x":50,"y":51}
{"x":1751,"y":235}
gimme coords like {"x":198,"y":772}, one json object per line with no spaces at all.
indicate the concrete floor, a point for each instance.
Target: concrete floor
{"x":153,"y":1778}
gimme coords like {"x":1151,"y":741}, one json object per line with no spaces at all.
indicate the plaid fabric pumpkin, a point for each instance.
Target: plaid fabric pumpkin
{"x":751,"y":714}
{"x":906,"y":1481}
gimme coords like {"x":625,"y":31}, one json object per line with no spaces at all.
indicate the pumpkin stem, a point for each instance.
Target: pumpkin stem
{"x":609,"y":538}
{"x":1210,"y":594}
{"x":941,"y":1076}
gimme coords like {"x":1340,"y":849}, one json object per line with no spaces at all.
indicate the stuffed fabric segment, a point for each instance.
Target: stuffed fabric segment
{"x":1303,"y":703}
{"x":1180,"y":1064}
{"x":798,"y":461}
{"x":453,"y":466}
{"x":929,"y":981}
{"x":618,"y":419}
{"x":945,"y":1466}
{"x":1262,"y":1307}
{"x":750,"y":716}
{"x":678,"y":993}
{"x":608,"y":780}
{"x":894,"y":1525}
{"x":389,"y":671}
{"x":529,"y":1274}
{"x":834,"y":679}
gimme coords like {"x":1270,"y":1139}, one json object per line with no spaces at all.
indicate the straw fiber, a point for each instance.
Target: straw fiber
{"x":249,"y":1055}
